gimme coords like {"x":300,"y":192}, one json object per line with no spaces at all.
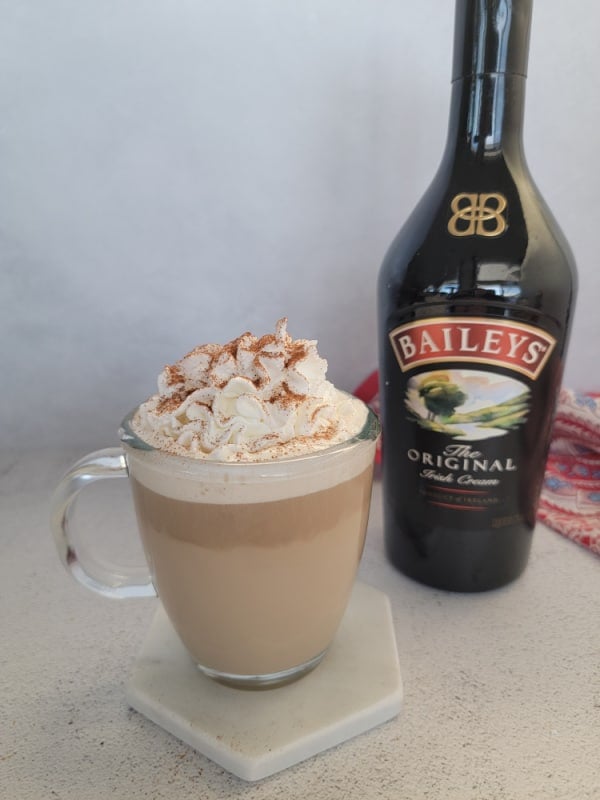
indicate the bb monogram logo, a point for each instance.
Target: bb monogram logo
{"x":477,"y":214}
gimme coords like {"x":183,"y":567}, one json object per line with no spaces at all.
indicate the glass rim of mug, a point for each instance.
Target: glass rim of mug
{"x":369,"y":432}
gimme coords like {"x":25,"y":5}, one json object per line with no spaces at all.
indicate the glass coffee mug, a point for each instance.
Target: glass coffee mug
{"x":253,"y":562}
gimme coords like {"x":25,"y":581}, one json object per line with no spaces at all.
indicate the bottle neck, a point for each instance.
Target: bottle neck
{"x":491,"y":43}
{"x":486,"y":116}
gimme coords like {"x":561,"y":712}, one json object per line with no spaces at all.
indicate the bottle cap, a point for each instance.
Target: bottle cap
{"x":491,"y":36}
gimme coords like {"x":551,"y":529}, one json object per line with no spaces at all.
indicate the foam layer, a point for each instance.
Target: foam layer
{"x":199,"y":481}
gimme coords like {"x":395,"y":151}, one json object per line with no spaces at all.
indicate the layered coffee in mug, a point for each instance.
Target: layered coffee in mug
{"x":251,"y":479}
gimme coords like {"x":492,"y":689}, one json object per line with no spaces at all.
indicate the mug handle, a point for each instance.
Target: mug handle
{"x":117,"y":583}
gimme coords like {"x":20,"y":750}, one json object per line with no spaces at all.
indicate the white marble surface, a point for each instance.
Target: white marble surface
{"x":502,"y":690}
{"x":254,"y":734}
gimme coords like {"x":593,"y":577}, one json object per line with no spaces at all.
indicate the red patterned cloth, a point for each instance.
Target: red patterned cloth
{"x":368,"y":392}
{"x":570,"y":501}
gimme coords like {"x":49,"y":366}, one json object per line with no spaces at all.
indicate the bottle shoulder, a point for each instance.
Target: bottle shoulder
{"x":480,"y":231}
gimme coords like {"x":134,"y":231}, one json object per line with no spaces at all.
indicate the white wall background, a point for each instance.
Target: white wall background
{"x":178,"y":171}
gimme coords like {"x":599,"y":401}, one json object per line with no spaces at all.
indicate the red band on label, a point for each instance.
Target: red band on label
{"x":514,"y":345}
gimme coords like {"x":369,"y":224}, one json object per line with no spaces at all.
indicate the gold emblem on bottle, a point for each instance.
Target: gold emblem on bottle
{"x":478,"y":214}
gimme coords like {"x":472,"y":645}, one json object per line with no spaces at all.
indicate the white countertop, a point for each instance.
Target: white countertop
{"x":502,"y":690}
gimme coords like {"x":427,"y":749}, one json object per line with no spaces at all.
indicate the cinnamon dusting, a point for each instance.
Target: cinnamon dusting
{"x":298,"y":353}
{"x":171,"y":403}
{"x":174,"y":375}
{"x":286,"y":397}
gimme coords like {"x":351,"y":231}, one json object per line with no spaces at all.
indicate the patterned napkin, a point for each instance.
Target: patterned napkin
{"x":570,"y":501}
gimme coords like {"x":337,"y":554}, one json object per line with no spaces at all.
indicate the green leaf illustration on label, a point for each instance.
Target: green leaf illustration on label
{"x":467,"y":405}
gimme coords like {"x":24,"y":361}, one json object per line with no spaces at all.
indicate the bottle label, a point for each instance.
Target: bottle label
{"x":469,"y":387}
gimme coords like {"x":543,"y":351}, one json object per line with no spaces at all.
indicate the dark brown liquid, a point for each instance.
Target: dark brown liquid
{"x":255,"y":588}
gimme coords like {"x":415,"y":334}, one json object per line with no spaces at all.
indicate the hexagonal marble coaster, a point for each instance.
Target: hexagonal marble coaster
{"x":256,"y":733}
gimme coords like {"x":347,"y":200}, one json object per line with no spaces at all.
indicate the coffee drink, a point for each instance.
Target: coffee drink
{"x":256,"y":588}
{"x":251,"y":478}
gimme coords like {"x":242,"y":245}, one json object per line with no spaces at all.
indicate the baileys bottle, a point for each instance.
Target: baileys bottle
{"x":475,"y":300}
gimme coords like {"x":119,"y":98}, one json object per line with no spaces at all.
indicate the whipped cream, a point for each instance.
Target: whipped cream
{"x":252,"y":399}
